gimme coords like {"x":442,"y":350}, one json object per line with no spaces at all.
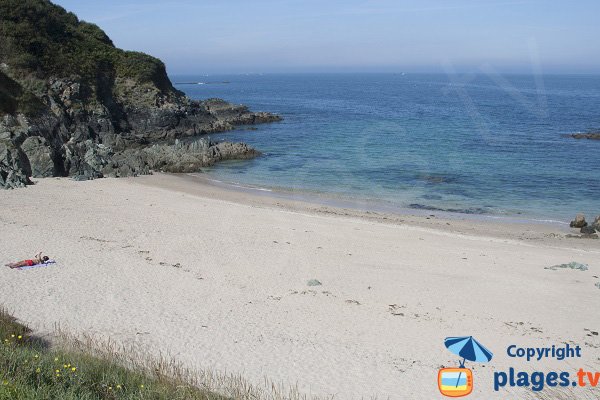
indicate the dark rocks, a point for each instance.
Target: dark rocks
{"x":100,"y":161}
{"x":579,"y":221}
{"x":188,"y":157}
{"x":589,"y":135}
{"x":88,"y":141}
{"x":13,"y":166}
{"x":236,"y":114}
{"x":233,"y":151}
{"x":588,"y":230}
{"x":39,"y":154}
{"x":596,"y":224}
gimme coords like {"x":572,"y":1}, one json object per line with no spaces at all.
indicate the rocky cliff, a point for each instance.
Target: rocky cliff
{"x":72,"y":104}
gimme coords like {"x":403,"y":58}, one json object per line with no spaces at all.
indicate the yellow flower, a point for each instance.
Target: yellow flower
{"x":36,"y":356}
{"x":57,"y":371}
{"x":68,"y":365}
{"x":73,"y":369}
{"x":58,"y":375}
{"x":12,"y":336}
{"x":56,"y":359}
{"x":110,"y":388}
{"x":141,"y":386}
{"x":118,"y":386}
{"x":19,"y":337}
{"x":65,"y":366}
{"x":38,"y":370}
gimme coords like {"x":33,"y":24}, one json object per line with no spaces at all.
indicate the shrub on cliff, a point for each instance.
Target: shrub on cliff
{"x":39,"y":40}
{"x":13,"y":98}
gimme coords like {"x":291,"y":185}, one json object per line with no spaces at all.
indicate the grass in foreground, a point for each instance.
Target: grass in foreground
{"x":30,"y":369}
{"x":86,"y":369}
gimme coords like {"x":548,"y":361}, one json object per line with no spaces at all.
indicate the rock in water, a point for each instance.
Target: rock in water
{"x":590,"y":135}
{"x":588,"y":230}
{"x":579,"y":221}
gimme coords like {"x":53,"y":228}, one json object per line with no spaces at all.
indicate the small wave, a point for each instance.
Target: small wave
{"x":238,"y":185}
{"x":249,"y":187}
{"x":472,"y":210}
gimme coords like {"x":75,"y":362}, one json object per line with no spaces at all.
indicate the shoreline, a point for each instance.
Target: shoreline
{"x":548,"y":233}
{"x":370,"y":205}
{"x":219,"y":279}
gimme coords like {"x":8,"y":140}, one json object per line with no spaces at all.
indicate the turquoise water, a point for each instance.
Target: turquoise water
{"x":478,"y":144}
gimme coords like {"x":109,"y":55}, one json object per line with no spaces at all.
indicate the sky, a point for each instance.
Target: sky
{"x":271,"y":36}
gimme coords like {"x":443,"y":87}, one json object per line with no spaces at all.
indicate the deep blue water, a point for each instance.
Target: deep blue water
{"x":476,"y":144}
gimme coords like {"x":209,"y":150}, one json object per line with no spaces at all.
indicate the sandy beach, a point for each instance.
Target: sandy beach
{"x":217,"y":278}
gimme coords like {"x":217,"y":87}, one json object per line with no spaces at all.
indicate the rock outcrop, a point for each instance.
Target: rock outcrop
{"x":596,"y":224}
{"x":579,"y":221}
{"x":588,"y":230}
{"x":589,"y":135}
{"x":72,"y":104}
{"x":12,"y":166}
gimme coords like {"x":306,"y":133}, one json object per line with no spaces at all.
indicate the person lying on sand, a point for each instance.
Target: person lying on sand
{"x":38,"y":259}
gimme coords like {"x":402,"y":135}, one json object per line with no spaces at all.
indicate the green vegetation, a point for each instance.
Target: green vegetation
{"x":39,"y":40}
{"x":13,"y":98}
{"x":86,"y":368}
{"x":30,"y":370}
{"x":40,"y":37}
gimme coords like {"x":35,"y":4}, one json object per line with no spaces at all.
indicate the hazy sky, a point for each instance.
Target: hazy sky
{"x":212,"y":36}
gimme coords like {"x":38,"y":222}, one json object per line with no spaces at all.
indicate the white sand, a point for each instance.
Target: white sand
{"x":238,"y":298}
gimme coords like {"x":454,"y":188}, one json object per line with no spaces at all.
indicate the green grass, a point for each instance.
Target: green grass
{"x":86,"y":367}
{"x":30,"y":369}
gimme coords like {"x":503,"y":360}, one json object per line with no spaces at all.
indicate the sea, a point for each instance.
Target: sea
{"x":479,"y":144}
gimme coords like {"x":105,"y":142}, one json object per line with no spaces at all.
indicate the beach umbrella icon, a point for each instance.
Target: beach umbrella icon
{"x":469,"y":349}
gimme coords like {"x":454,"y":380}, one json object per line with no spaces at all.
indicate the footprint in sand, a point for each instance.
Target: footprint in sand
{"x":95,"y":239}
{"x":590,"y":332}
{"x":524,"y":328}
{"x":394,"y":309}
